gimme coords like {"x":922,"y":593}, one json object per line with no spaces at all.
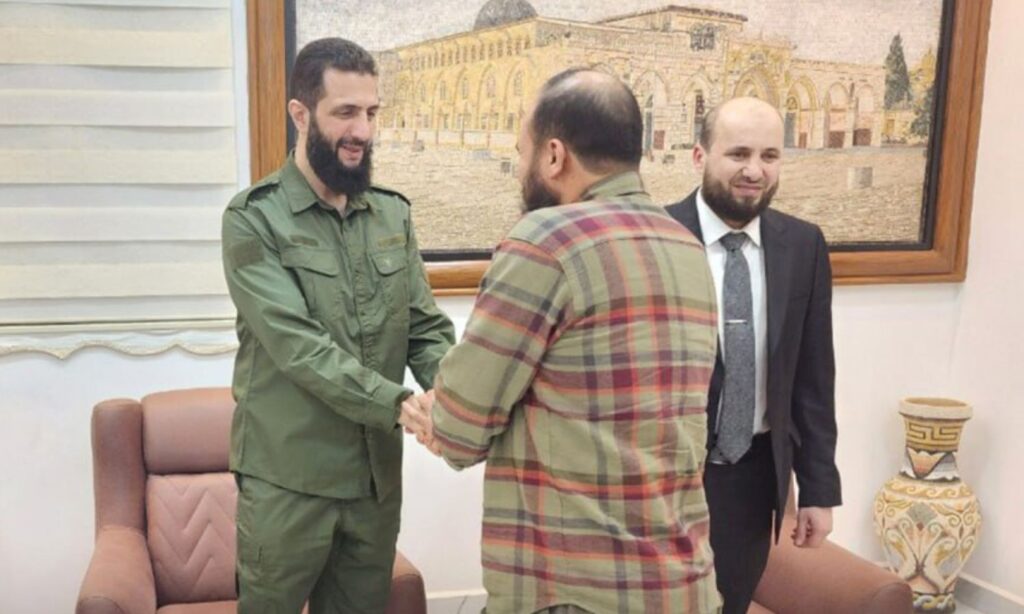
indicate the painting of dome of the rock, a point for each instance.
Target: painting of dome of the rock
{"x":854,"y":81}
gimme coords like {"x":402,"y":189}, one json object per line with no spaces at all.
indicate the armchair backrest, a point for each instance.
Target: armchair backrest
{"x":187,"y":431}
{"x":161,"y":466}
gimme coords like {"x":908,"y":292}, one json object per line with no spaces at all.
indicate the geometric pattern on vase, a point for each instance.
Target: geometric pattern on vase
{"x":927,"y":518}
{"x":939,"y":466}
{"x":933,"y":435}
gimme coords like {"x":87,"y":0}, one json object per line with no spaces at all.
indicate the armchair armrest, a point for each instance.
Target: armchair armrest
{"x":407,"y":592}
{"x":120,"y":575}
{"x":828,"y":579}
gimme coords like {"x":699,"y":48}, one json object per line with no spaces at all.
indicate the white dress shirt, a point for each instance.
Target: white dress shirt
{"x":713,"y":228}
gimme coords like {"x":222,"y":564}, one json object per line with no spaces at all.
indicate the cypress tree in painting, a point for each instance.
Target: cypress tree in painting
{"x":897,"y":79}
{"x":922,"y":124}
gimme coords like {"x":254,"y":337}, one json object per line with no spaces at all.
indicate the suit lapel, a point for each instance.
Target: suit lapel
{"x":685,"y":213}
{"x":778,"y":281}
{"x":776,"y":263}
{"x":777,"y":278}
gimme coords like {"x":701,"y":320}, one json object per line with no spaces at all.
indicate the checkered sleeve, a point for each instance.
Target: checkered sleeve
{"x":522,"y":301}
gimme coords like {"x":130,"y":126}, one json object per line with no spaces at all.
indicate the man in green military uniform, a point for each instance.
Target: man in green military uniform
{"x":333,"y":304}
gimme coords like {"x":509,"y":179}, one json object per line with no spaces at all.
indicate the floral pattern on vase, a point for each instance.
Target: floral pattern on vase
{"x":927,"y":518}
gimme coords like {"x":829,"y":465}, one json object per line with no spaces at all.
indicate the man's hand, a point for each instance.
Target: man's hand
{"x":415,"y":417}
{"x":426,"y":401}
{"x":415,"y":420}
{"x":813,"y":524}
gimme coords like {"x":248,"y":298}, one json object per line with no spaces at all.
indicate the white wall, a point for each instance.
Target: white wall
{"x":988,"y":347}
{"x":962,"y":340}
{"x":46,"y":505}
{"x":46,"y":513}
{"x":891,"y":342}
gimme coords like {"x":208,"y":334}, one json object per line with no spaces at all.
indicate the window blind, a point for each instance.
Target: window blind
{"x":118,"y":153}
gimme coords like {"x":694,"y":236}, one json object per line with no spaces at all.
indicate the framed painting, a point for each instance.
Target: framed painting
{"x":881,"y":106}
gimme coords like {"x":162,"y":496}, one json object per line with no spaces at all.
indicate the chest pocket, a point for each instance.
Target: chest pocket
{"x":391,"y":267}
{"x":317,"y":270}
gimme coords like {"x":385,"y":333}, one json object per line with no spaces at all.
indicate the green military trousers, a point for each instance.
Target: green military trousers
{"x":337,"y":553}
{"x":565,"y":608}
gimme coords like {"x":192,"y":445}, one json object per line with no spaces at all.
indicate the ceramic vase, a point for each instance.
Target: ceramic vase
{"x":927,"y":518}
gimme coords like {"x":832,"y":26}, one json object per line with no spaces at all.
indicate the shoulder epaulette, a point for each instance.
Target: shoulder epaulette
{"x":241,"y":200}
{"x":390,"y":192}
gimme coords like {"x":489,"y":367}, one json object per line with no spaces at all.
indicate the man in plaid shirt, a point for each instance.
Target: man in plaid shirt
{"x":583,"y":374}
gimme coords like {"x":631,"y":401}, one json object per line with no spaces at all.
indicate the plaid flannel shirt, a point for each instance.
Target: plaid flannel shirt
{"x":582,"y":380}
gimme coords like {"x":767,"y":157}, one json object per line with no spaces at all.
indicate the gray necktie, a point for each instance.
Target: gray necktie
{"x":736,"y":413}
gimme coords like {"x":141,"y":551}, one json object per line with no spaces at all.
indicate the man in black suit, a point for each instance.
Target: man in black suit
{"x":771,"y":408}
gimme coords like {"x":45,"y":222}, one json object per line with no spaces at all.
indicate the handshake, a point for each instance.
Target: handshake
{"x":415,"y":417}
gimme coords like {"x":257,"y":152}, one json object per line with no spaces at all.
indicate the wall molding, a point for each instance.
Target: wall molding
{"x":201,"y":338}
{"x":987,"y":598}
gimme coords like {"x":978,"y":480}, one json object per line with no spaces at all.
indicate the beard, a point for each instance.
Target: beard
{"x":323,"y":159}
{"x":740,"y":211}
{"x":534,"y":193}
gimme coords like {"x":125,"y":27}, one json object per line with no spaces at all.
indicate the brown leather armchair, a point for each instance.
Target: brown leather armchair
{"x":165,"y":510}
{"x":829,"y":579}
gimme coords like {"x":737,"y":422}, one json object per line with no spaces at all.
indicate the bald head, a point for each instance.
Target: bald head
{"x":739,"y":111}
{"x":740,"y":157}
{"x":594,"y":114}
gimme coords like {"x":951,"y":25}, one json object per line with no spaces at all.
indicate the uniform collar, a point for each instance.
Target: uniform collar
{"x":627,"y":184}
{"x":301,"y":196}
{"x":713,"y":228}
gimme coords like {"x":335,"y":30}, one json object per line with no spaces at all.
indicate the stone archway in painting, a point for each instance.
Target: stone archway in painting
{"x":463,"y":111}
{"x":696,"y":103}
{"x":605,"y":68}
{"x":651,"y":93}
{"x":490,"y":97}
{"x":422,"y":105}
{"x":444,"y":102}
{"x":798,"y":115}
{"x":402,"y":105}
{"x":618,"y":66}
{"x":757,"y":83}
{"x":836,"y":106}
{"x":864,"y":117}
{"x":519,"y":85}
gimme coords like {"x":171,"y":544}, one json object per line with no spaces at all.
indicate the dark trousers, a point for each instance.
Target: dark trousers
{"x":741,"y":499}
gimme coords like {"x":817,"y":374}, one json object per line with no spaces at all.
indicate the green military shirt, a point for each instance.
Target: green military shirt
{"x":331,"y":309}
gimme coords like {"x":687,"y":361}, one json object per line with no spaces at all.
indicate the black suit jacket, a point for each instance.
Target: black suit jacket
{"x":801,"y":364}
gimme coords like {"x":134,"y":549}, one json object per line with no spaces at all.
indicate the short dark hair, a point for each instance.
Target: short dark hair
{"x":307,"y":79}
{"x":598,"y":120}
{"x":707,"y":131}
